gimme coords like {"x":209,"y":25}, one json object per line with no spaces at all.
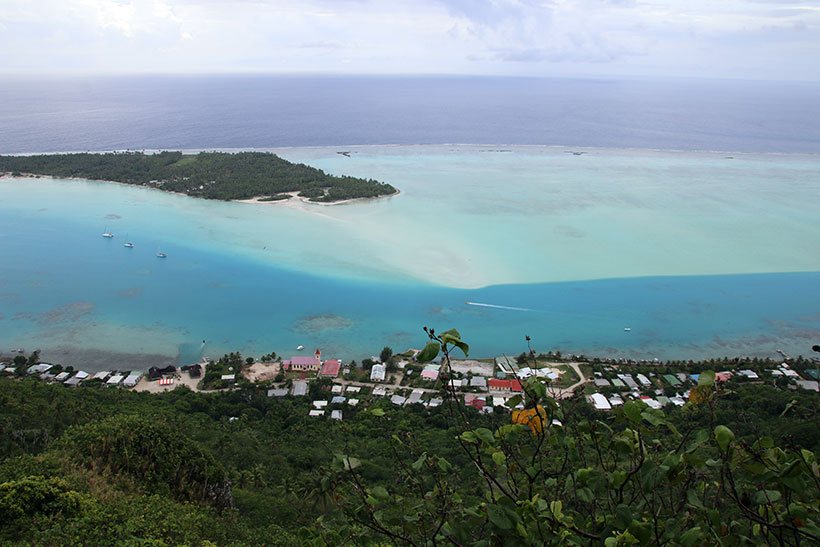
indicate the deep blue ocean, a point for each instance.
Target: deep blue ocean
{"x":196,"y":112}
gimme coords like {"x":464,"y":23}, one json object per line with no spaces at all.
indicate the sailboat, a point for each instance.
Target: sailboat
{"x":127,"y":243}
{"x":106,"y":233}
{"x":160,"y":254}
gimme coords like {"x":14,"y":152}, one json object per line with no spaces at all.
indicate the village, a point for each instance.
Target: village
{"x":484,"y":384}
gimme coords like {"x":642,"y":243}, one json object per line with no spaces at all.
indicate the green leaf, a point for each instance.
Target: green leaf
{"x":652,"y":417}
{"x":499,"y":458}
{"x":513,"y":401}
{"x":723,"y":436}
{"x":453,"y":333}
{"x":767,"y":496}
{"x":585,"y":495}
{"x":706,"y":378}
{"x":377,"y":412}
{"x":632,"y":410}
{"x":463,"y":346}
{"x":419,"y":463}
{"x":443,"y":464}
{"x":380,"y":493}
{"x":623,"y":517}
{"x":485,"y":435}
{"x":690,"y":537}
{"x":429,"y":352}
{"x":499,"y":518}
{"x":469,"y":437}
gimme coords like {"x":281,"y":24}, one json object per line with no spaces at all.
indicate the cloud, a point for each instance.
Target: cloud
{"x":759,"y":38}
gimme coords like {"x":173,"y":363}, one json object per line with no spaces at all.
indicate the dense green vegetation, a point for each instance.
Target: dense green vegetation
{"x":212,"y":175}
{"x":92,"y":465}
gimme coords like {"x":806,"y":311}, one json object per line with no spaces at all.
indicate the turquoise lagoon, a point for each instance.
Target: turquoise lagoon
{"x":699,"y":254}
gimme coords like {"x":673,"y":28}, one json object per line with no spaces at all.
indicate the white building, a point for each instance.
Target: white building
{"x":600,"y":402}
{"x":377,"y":373}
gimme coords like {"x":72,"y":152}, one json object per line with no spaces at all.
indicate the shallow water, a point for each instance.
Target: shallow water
{"x":661,"y":242}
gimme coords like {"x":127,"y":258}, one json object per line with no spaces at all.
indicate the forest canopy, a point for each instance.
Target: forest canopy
{"x":210,"y":175}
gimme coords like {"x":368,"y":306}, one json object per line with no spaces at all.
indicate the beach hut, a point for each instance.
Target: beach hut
{"x":132,"y":380}
{"x":115,"y":380}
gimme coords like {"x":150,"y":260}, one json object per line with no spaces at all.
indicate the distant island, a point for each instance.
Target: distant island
{"x":210,"y":175}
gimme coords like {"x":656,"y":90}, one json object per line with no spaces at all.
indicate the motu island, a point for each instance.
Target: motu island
{"x":211,"y":175}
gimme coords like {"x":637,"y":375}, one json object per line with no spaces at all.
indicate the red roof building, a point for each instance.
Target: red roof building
{"x":330,"y":368}
{"x":478,"y":404}
{"x":504,"y":386}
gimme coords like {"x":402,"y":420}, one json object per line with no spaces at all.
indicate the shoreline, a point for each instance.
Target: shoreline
{"x":298,"y":202}
{"x":253,"y":200}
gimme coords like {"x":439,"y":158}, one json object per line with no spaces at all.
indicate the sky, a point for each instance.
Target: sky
{"x":747,"y":39}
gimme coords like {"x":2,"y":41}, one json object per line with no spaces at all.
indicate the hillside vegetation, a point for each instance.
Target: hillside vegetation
{"x":211,"y":175}
{"x":99,"y":466}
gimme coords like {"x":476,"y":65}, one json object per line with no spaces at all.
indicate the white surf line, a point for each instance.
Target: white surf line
{"x":496,"y":306}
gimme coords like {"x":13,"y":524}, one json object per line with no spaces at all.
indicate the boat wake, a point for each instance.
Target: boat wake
{"x":496,"y":306}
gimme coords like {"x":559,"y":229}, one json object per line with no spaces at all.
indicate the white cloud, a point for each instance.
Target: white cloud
{"x":744,"y":38}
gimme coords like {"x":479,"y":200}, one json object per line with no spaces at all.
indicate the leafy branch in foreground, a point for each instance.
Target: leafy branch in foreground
{"x":562,"y":474}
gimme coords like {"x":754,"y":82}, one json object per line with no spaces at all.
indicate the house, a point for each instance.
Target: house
{"x":723,"y":376}
{"x":398,"y":400}
{"x":628,"y":380}
{"x":336,"y":415}
{"x":478,"y":403}
{"x":113,"y":381}
{"x":303,"y":363}
{"x":479,"y":382}
{"x":524,"y":372}
{"x":62,"y":377}
{"x":602,"y":382}
{"x":600,"y":402}
{"x":415,"y":397}
{"x":643,"y":380}
{"x":154,"y":373}
{"x":504,"y":386}
{"x":277,"y":392}
{"x":377,"y":373}
{"x":320,"y":404}
{"x":352,"y":402}
{"x":228,"y":377}
{"x":299,"y":388}
{"x":316,"y":413}
{"x":432,"y":403}
{"x":330,"y":368}
{"x":353,"y":389}
{"x":499,"y":401}
{"x":430,"y":372}
{"x":617,"y":382}
{"x":506,"y":364}
{"x":671,"y":380}
{"x":102,"y":375}
{"x":76,"y":379}
{"x":810,"y":385}
{"x":39,"y":369}
{"x":616,"y":400}
{"x":132,"y":380}
{"x":337,"y":389}
{"x":380,"y":391}
{"x":338,"y":399}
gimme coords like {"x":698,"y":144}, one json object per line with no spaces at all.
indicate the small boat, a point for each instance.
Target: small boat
{"x":106,"y":233}
{"x":300,"y":348}
{"x":627,"y":329}
{"x":160,"y":254}
{"x":127,"y":243}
